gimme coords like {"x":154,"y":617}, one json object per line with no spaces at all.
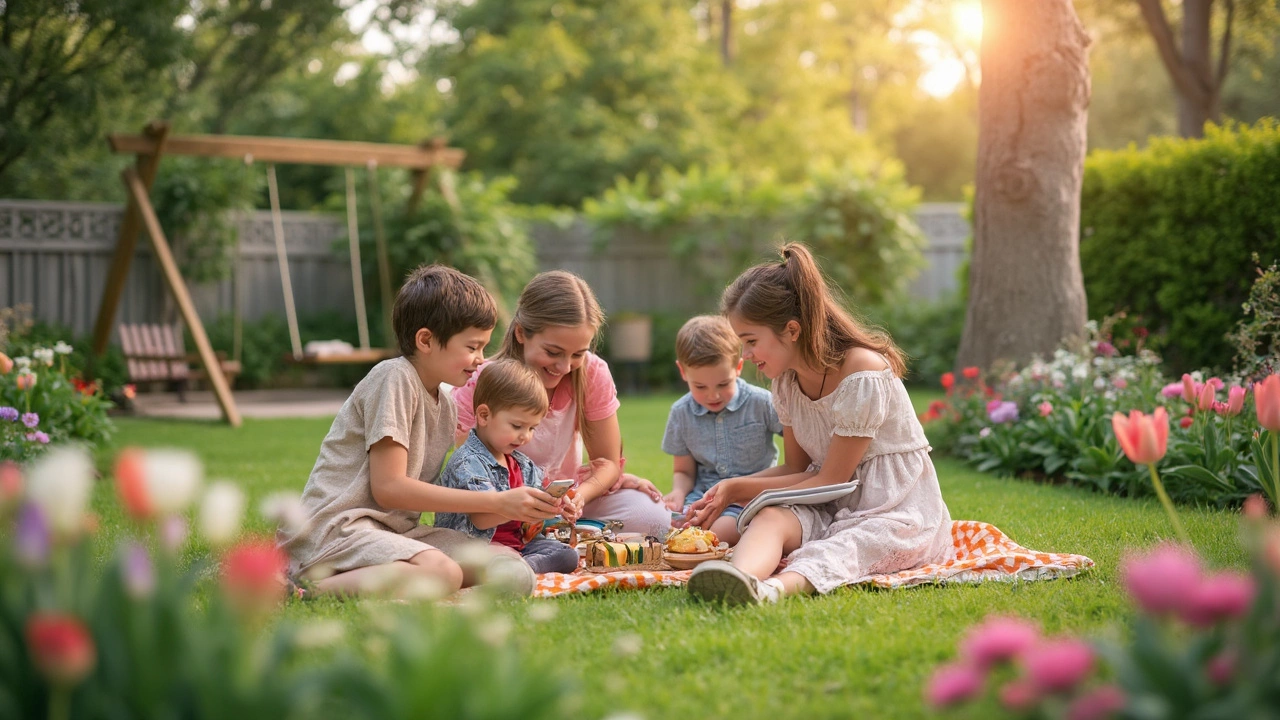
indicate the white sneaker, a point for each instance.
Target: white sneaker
{"x":719,"y":581}
{"x":509,"y":576}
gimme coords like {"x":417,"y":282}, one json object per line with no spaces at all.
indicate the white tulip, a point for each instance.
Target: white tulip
{"x":221,"y":512}
{"x":173,"y":479}
{"x":286,"y":511}
{"x":59,"y":484}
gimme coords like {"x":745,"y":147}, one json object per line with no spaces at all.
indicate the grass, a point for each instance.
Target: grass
{"x":852,"y":652}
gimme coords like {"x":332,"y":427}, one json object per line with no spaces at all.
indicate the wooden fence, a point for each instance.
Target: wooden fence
{"x":54,"y":256}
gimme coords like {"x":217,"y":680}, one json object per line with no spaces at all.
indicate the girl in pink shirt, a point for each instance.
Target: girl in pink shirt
{"x":555,"y":324}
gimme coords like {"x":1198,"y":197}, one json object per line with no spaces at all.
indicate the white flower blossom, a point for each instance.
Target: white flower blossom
{"x":44,"y":355}
{"x":62,"y":348}
{"x":59,"y":484}
{"x":221,"y":512}
{"x":22,"y":363}
{"x":173,"y":479}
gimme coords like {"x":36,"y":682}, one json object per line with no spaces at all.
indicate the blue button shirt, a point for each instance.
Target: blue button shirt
{"x":736,"y":441}
{"x":473,"y":467}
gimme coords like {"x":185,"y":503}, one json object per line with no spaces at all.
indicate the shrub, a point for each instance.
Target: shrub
{"x":1169,"y":232}
{"x":1257,"y":337}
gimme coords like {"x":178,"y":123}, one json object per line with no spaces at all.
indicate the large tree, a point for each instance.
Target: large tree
{"x":1026,"y":293}
{"x":60,"y":62}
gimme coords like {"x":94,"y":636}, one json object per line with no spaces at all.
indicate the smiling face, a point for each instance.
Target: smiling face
{"x":772,"y":353}
{"x":712,"y":386}
{"x":506,"y":430}
{"x":556,"y":351}
{"x":454,"y":362}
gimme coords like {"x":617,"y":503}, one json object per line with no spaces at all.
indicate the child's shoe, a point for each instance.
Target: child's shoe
{"x":719,"y":581}
{"x":508,"y":575}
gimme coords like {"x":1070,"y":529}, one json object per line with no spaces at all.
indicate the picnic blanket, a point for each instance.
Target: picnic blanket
{"x":982,"y":553}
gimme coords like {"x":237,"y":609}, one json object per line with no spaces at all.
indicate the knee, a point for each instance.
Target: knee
{"x":566,"y":559}
{"x":773,"y":515}
{"x":440,"y":567}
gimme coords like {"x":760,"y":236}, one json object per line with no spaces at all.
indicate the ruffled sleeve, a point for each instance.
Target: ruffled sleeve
{"x":780,"y":393}
{"x":861,"y":405}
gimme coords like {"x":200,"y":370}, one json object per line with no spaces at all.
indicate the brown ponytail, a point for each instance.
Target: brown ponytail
{"x":775,"y":293}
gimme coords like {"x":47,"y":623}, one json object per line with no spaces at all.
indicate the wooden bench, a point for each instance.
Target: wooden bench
{"x":156,"y":353}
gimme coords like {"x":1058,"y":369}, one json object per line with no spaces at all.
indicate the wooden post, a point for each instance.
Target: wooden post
{"x":384,"y":263}
{"x":173,"y":278}
{"x":127,"y":242}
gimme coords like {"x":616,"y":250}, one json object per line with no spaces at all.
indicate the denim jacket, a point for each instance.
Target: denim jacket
{"x":473,"y":467}
{"x":734,"y":442}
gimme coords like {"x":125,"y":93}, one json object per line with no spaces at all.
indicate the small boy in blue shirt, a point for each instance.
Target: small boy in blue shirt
{"x":510,"y":400}
{"x":724,"y":427}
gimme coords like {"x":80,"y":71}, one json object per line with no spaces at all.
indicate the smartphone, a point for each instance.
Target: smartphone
{"x":557,"y":488}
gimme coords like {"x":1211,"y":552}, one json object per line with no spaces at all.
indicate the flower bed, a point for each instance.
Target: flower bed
{"x":44,"y":400}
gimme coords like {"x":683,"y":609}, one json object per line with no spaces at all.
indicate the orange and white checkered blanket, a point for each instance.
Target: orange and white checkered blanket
{"x":982,"y":553}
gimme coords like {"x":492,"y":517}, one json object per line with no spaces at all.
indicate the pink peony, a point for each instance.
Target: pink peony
{"x":1019,"y":696}
{"x":1161,"y":580}
{"x":997,"y":640}
{"x":1101,"y":702}
{"x":1058,"y":665}
{"x":1045,"y":408}
{"x":1172,"y":390}
{"x":1221,"y":596}
{"x":953,"y":683}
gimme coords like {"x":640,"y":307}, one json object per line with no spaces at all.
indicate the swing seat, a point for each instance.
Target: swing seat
{"x":338,"y":352}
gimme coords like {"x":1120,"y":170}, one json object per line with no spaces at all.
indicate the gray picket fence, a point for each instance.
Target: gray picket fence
{"x":54,"y":256}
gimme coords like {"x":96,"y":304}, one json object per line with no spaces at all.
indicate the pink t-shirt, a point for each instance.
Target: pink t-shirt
{"x":556,"y":446}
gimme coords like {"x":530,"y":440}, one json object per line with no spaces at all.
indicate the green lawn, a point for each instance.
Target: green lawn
{"x":856,"y":651}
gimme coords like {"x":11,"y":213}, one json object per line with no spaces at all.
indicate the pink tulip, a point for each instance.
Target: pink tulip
{"x":953,"y":683}
{"x":1206,"y":397}
{"x":1266,"y":395}
{"x":1019,"y":696}
{"x":1101,"y":702}
{"x":6,"y":364}
{"x":1235,"y":400}
{"x":1222,"y":596}
{"x":1045,"y":408}
{"x":1161,"y":581}
{"x":1189,"y":389}
{"x":1058,"y":665}
{"x":25,"y":381}
{"x":1216,"y":383}
{"x":1143,"y":437}
{"x":997,"y":640}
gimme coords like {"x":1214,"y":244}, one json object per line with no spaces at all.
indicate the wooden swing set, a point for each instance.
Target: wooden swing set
{"x":140,"y":215}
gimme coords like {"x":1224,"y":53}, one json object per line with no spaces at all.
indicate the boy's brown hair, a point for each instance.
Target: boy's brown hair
{"x":707,"y":340}
{"x":442,"y":300}
{"x":510,"y":384}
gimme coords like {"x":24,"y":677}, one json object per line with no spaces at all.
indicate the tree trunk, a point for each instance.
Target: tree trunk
{"x":726,"y":31}
{"x":1026,"y":292}
{"x":1194,"y":112}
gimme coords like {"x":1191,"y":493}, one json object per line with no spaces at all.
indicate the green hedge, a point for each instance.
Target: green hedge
{"x":1169,"y":233}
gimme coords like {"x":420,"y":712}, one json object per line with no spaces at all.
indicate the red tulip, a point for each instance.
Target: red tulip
{"x":131,"y":483}
{"x":1185,"y":423}
{"x":948,"y":381}
{"x":1266,"y":395}
{"x":60,"y":647}
{"x":1144,"y":438}
{"x":971,"y":373}
{"x":253,"y":575}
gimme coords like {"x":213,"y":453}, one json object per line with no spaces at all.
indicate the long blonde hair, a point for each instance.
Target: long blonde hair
{"x":556,"y":299}
{"x":775,"y":293}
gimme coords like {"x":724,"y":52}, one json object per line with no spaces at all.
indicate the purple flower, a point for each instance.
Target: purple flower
{"x":32,"y":541}
{"x":173,"y":532}
{"x":8,"y":414}
{"x":139,"y":574}
{"x":1005,"y":412}
{"x":30,"y":419}
{"x":39,"y":437}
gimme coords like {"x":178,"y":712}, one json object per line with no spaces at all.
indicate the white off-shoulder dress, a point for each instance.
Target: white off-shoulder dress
{"x":896,"y":518}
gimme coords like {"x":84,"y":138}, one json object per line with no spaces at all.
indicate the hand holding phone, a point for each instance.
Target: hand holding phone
{"x":557,"y":488}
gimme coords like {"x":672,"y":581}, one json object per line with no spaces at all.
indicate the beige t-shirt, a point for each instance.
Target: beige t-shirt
{"x":347,"y":528}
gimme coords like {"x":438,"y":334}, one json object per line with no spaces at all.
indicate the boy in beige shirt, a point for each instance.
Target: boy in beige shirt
{"x":375,"y":473}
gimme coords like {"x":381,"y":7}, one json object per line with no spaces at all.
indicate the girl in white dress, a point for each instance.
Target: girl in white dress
{"x":846,"y":415}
